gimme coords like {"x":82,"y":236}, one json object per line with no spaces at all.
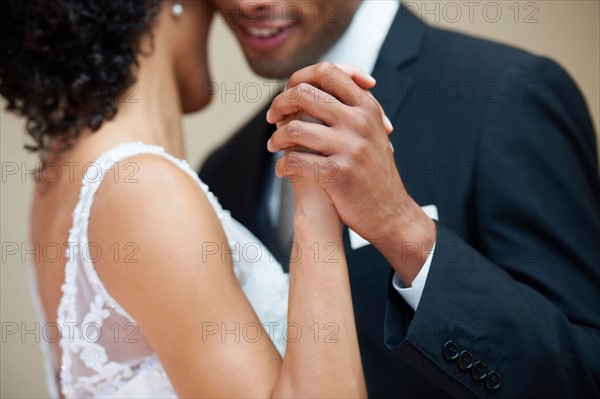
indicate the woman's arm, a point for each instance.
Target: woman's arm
{"x":325,"y":361}
{"x":181,"y":290}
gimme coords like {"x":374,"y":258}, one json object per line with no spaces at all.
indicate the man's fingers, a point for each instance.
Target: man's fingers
{"x":360,"y":77}
{"x":389,"y":128}
{"x":325,"y":83}
{"x":305,"y":98}
{"x":331,"y":79}
{"x":289,"y":118}
{"x":366,"y":82}
{"x":315,"y":137}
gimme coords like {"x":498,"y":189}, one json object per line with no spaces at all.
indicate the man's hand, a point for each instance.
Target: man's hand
{"x":351,"y":158}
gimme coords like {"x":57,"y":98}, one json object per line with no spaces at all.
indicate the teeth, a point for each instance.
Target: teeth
{"x":264,"y":32}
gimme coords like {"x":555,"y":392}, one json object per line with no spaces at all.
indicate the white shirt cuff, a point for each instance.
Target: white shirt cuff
{"x":412,"y":294}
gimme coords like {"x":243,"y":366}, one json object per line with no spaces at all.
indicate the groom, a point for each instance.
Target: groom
{"x":494,"y":144}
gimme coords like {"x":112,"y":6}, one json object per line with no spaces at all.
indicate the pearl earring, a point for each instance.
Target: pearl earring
{"x":177,"y":9}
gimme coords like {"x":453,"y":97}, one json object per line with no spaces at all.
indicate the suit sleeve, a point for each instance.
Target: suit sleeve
{"x":516,"y":312}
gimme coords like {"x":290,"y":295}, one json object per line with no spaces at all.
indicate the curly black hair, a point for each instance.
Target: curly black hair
{"x":64,"y":63}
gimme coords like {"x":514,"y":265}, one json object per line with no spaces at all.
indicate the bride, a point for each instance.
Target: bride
{"x":152,"y":297}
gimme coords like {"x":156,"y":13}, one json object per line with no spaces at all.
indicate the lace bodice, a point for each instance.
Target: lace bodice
{"x":103,"y":353}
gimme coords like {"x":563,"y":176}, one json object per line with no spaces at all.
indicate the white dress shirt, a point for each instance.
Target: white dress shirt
{"x":360,"y":45}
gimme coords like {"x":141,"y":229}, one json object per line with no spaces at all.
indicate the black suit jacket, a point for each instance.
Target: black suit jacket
{"x":501,"y":142}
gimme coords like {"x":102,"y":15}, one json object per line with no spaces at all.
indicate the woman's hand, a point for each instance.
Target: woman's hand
{"x":312,"y":204}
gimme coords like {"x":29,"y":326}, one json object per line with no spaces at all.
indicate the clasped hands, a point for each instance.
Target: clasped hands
{"x":335,"y":133}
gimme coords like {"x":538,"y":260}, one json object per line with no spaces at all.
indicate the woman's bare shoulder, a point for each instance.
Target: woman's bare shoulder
{"x":161,"y":216}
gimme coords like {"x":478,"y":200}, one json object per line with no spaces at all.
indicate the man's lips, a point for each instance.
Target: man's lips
{"x":263,"y":32}
{"x":265,"y":37}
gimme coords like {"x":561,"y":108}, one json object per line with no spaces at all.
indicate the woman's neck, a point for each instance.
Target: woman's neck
{"x":150,"y":111}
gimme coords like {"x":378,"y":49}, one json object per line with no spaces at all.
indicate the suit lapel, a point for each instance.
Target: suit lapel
{"x":400,"y":48}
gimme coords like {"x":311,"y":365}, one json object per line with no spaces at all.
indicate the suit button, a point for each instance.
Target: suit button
{"x":465,"y":360}
{"x":479,"y":370}
{"x":493,"y":380}
{"x":451,"y":350}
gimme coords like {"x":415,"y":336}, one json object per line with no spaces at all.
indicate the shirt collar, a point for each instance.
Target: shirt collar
{"x":361,"y":43}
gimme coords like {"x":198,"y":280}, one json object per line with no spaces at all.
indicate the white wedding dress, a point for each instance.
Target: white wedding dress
{"x":103,"y":353}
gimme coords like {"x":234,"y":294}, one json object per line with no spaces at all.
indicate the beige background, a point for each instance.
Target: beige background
{"x":566,"y":30}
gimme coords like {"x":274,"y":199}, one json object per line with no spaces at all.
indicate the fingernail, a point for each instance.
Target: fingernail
{"x":269,"y":145}
{"x":388,"y":124}
{"x":372,"y":79}
{"x":268,"y":115}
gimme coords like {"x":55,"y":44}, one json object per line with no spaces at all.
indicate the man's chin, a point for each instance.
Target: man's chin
{"x":273,"y":68}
